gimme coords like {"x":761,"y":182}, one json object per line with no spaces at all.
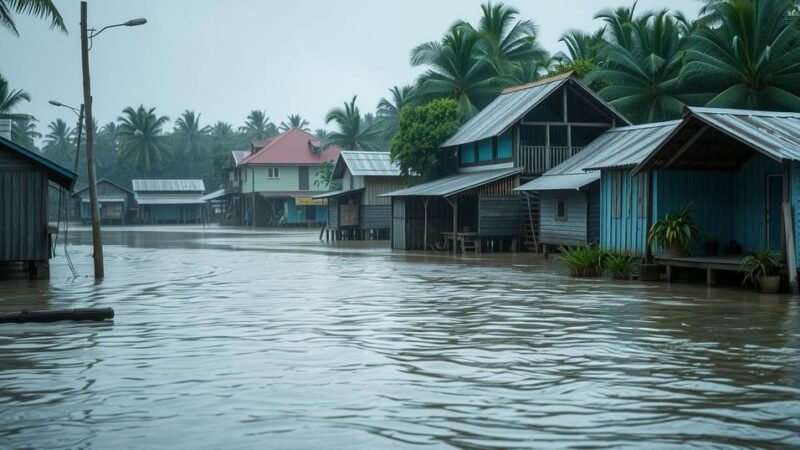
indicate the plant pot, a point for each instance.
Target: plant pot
{"x":676,"y":250}
{"x":769,"y":284}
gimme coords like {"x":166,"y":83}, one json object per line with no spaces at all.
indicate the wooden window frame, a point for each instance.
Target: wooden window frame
{"x":565,"y":216}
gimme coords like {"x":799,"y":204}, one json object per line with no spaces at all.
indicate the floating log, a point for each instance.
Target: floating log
{"x":57,"y":315}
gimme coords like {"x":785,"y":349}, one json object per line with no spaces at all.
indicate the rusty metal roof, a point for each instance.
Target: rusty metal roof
{"x":512,"y":104}
{"x":368,"y":164}
{"x":445,"y":187}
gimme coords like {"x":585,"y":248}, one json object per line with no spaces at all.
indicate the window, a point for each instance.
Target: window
{"x":616,"y":195}
{"x":561,"y":209}
{"x":273,"y":172}
{"x":467,"y":153}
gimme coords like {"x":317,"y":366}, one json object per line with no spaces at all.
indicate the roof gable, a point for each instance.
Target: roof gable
{"x":57,"y":173}
{"x":293,"y":146}
{"x":514,"y":103}
{"x":361,"y":163}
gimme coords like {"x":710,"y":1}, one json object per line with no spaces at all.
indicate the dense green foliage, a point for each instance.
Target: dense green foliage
{"x":422,"y":129}
{"x":620,"y":266}
{"x":583,"y":261}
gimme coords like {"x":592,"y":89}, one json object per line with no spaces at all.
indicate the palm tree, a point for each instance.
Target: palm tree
{"x":294,"y":121}
{"x":321,"y":133}
{"x":351,"y":133}
{"x":36,"y":8}
{"x":59,"y":142}
{"x":10,"y":100}
{"x":23,"y":132}
{"x":258,"y":125}
{"x":457,"y":71}
{"x":141,"y":140}
{"x":751,"y":59}
{"x":221,"y":133}
{"x":190,"y":138}
{"x":389,"y":109}
{"x":582,"y":45}
{"x":641,"y":72}
{"x":506,"y":41}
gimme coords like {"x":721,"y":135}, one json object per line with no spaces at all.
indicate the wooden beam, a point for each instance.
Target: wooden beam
{"x":575,"y":124}
{"x":686,"y":146}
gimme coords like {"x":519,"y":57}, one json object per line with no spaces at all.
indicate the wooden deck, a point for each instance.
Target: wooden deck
{"x":711,"y":264}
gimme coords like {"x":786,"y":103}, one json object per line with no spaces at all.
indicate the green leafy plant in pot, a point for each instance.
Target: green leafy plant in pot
{"x":674,"y":233}
{"x":762,"y":268}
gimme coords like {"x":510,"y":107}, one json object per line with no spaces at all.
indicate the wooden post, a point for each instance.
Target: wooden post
{"x":425,"y":224}
{"x":788,"y":229}
{"x":97,"y":242}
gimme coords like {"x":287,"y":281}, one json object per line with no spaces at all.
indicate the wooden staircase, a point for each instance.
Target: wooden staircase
{"x":530,"y":222}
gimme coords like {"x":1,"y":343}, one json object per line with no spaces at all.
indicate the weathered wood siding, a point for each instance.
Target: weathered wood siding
{"x":593,"y":220}
{"x":570,"y":231}
{"x":23,"y":210}
{"x":624,"y":232}
{"x":500,"y":216}
{"x":333,"y":214}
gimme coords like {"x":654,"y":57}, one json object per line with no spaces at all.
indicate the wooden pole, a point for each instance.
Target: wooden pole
{"x":788,"y":228}
{"x":97,"y":243}
{"x":425,"y":223}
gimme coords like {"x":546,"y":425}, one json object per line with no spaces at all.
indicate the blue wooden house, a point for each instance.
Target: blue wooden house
{"x":736,"y":168}
{"x":570,"y":194}
{"x":524,"y":132}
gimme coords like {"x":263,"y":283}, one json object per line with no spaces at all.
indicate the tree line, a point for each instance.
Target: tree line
{"x":647,"y":64}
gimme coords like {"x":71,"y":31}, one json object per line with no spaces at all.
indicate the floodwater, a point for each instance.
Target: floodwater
{"x":231,"y":339}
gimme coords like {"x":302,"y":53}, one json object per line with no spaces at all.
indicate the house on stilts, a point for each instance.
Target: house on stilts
{"x":170,"y":201}
{"x":357,"y":210}
{"x":115,"y":202}
{"x":26,"y":178}
{"x":524,"y":132}
{"x":570,"y":194}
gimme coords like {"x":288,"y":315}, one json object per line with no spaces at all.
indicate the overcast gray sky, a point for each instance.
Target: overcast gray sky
{"x":224,"y":58}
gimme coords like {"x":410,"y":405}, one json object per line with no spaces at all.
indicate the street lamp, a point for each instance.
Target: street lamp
{"x":79,"y":113}
{"x":86,"y":40}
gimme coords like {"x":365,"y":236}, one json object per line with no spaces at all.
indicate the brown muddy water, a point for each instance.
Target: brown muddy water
{"x":230,"y":339}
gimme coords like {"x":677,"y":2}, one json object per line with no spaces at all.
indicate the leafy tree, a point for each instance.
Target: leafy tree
{"x":23,"y":132}
{"x":294,"y":121}
{"x":422,"y":129}
{"x":190,"y":138}
{"x":10,"y":100}
{"x":351,"y":133}
{"x":457,"y":71}
{"x":258,"y":125}
{"x":36,"y":8}
{"x":323,"y":178}
{"x":751,"y":59}
{"x":142,"y":143}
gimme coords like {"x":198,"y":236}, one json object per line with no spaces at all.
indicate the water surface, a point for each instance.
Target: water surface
{"x":231,"y":339}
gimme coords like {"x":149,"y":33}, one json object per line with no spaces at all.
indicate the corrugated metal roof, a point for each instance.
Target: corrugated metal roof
{"x":239,"y":156}
{"x":334,"y":194}
{"x":455,"y":184}
{"x":168,"y":185}
{"x":368,"y":164}
{"x":169,"y":199}
{"x":56,"y":172}
{"x":511,"y":105}
{"x":106,"y":199}
{"x":569,"y":182}
{"x":213,"y":196}
{"x":103,"y":180}
{"x":619,"y":147}
{"x":776,"y":134}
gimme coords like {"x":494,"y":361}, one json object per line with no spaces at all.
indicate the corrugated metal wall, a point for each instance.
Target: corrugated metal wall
{"x":626,"y":233}
{"x":375,"y":217}
{"x":500,"y":216}
{"x":375,"y":186}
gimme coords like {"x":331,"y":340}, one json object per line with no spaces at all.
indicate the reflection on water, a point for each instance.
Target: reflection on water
{"x":230,"y":339}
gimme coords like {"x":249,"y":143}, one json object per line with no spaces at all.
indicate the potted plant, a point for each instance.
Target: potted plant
{"x":674,"y":233}
{"x":762,"y":268}
{"x":621,"y":266}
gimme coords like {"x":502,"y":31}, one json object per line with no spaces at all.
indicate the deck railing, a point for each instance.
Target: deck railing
{"x":539,"y":159}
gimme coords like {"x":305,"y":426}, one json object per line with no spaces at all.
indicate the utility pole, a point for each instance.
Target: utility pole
{"x":97,"y":241}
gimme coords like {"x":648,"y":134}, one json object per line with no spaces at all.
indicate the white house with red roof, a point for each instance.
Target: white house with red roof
{"x":276,"y":183}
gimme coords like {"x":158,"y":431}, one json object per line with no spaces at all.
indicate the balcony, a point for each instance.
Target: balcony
{"x":539,"y":159}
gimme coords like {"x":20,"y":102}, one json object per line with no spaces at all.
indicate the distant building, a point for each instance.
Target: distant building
{"x":357,"y":211}
{"x":25,"y":181}
{"x":170,"y":201}
{"x":275,"y":184}
{"x":115,"y":202}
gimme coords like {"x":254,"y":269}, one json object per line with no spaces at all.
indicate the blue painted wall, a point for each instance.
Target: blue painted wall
{"x":728,"y":205}
{"x":302,"y":214}
{"x":485,"y":150}
{"x":505,"y":145}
